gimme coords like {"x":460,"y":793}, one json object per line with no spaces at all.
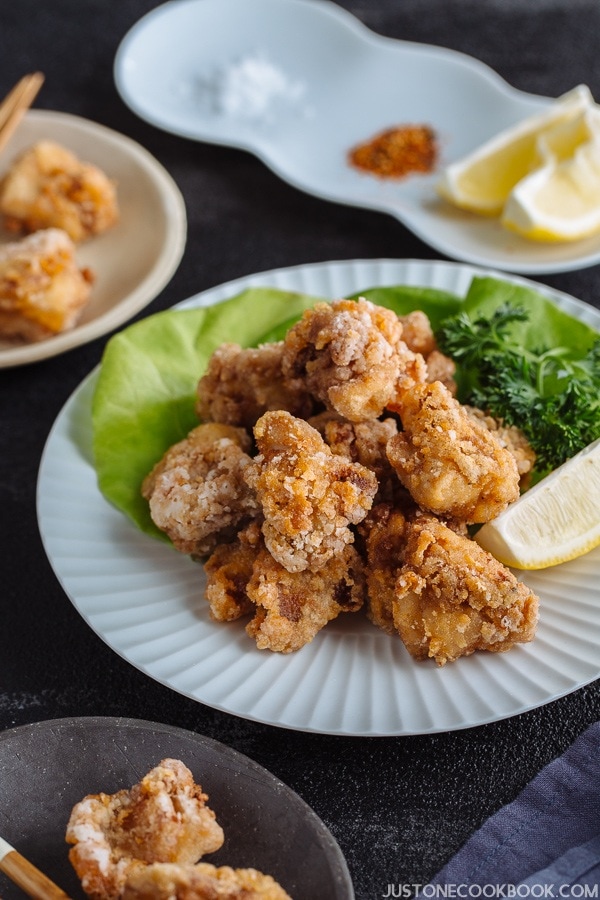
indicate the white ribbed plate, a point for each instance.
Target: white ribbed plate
{"x":146,"y":600}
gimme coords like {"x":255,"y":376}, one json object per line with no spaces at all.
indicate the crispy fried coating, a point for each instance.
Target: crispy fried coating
{"x":451,"y":463}
{"x":384,"y":533}
{"x":417,"y":332}
{"x":362,"y":442}
{"x":292,"y":607}
{"x":163,"y":818}
{"x":451,"y":597}
{"x":441,"y":368}
{"x":228,"y":571}
{"x":513,"y":439}
{"x":240,"y":385}
{"x":43,"y":290}
{"x":418,"y":336}
{"x":165,"y":881}
{"x":309,"y":496}
{"x":47,"y":186}
{"x":197,"y":493}
{"x":351,"y":356}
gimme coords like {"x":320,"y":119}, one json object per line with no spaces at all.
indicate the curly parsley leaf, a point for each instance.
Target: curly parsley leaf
{"x":552,"y":393}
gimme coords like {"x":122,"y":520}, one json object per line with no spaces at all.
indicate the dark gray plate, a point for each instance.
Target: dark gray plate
{"x":47,"y":767}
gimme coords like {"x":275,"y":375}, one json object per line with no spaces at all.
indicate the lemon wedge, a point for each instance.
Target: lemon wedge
{"x":561,"y":200}
{"x":556,"y":520}
{"x":482,"y":181}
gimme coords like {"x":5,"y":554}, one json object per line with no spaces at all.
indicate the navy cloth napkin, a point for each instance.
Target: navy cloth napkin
{"x":549,"y":835}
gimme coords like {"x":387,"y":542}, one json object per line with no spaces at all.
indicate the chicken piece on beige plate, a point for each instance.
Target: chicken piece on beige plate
{"x":43,"y":290}
{"x":47,"y":186}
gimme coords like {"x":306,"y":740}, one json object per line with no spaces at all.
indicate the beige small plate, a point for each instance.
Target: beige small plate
{"x":134,"y":260}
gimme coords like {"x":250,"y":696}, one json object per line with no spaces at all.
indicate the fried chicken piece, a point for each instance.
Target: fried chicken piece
{"x":228,"y":571}
{"x":418,"y":336}
{"x":292,"y":607}
{"x":163,"y":818}
{"x":42,"y":288}
{"x":309,"y":496}
{"x":351,"y":356}
{"x":197,"y":492}
{"x":240,"y":385}
{"x":451,"y":463}
{"x":49,"y":187}
{"x":441,"y":368}
{"x":451,"y":597}
{"x":362,"y":442}
{"x":513,"y":439}
{"x":417,"y":332}
{"x":165,"y":881}
{"x":384,"y":533}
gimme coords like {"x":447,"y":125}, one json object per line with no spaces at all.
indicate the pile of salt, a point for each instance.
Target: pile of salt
{"x":252,"y":88}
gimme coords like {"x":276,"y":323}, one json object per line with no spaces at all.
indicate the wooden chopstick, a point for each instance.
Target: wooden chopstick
{"x":26,"y":876}
{"x":16,"y":103}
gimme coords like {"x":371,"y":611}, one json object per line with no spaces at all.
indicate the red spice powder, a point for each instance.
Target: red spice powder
{"x":396,"y":152}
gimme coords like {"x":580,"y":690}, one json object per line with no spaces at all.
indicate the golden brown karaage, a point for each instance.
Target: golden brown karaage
{"x":359,"y":444}
{"x":292,"y":607}
{"x":451,"y":597}
{"x":309,"y":496}
{"x":351,"y":357}
{"x":240,"y":385}
{"x":197,"y":493}
{"x":48,"y":186}
{"x":164,"y":881}
{"x":163,"y":818}
{"x":449,"y":461}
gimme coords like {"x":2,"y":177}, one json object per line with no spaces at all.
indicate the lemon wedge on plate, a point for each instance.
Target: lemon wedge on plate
{"x":560,"y":201}
{"x":482,"y":181}
{"x":556,"y":520}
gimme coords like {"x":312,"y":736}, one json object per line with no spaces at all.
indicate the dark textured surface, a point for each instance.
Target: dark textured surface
{"x":398,"y":807}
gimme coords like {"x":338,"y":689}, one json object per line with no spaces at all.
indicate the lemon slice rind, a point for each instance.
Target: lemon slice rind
{"x":555,"y":521}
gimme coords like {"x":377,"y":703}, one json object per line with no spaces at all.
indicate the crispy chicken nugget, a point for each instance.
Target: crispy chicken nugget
{"x":165,"y":881}
{"x":228,"y":570}
{"x":292,"y":607}
{"x":47,"y":186}
{"x":43,"y":290}
{"x":450,"y":462}
{"x":163,"y":818}
{"x":351,"y":356}
{"x":384,"y":535}
{"x":362,"y":442}
{"x":308,"y":495}
{"x":418,"y":336}
{"x":240,"y":385}
{"x":451,"y":597}
{"x":197,"y":492}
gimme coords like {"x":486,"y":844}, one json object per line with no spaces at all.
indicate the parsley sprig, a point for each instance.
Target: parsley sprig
{"x":549,"y":393}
